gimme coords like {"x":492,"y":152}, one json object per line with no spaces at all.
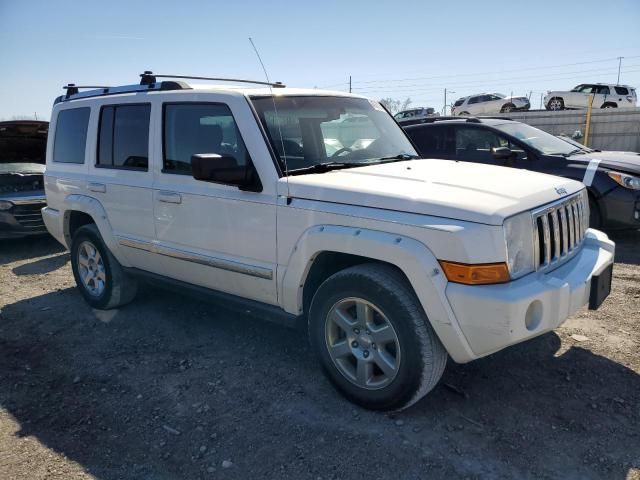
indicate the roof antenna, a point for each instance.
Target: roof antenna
{"x":275,"y":109}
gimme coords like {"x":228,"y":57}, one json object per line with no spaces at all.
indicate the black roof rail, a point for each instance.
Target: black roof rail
{"x":148,"y":76}
{"x":73,"y":91}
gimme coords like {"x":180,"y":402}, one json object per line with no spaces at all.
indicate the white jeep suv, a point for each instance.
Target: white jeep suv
{"x":605,"y":95}
{"x":489,"y":103}
{"x":394,"y":262}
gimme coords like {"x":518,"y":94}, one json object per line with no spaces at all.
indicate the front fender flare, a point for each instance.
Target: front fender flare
{"x":415,"y":260}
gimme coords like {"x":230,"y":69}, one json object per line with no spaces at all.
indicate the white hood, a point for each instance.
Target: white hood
{"x":459,"y":190}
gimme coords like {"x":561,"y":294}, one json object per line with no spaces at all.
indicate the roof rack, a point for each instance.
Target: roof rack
{"x":420,"y":121}
{"x":148,"y":82}
{"x":150,"y":77}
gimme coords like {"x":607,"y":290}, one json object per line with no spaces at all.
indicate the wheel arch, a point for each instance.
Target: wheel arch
{"x":335,"y":246}
{"x":81,"y":210}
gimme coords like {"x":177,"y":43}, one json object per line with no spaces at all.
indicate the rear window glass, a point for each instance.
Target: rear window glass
{"x":123,"y":140}
{"x":71,"y":135}
{"x":458,"y":102}
{"x":622,"y":90}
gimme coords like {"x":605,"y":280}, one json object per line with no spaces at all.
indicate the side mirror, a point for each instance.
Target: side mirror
{"x":213,"y":167}
{"x":502,"y":153}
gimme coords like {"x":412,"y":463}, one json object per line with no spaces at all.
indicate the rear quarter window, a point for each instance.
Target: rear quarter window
{"x":622,"y":90}
{"x":71,"y":135}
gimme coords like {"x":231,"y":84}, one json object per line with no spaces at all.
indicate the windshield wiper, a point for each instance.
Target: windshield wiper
{"x":325,"y":167}
{"x":395,"y":158}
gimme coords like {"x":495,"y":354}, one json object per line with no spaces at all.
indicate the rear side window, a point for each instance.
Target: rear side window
{"x":473,"y":100}
{"x":603,"y":90}
{"x":433,"y":142}
{"x":123,"y":140}
{"x":458,"y":102}
{"x":71,"y":135}
{"x":622,"y":90}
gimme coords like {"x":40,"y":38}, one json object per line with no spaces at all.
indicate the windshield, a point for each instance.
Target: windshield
{"x":316,"y":130}
{"x":543,"y":142}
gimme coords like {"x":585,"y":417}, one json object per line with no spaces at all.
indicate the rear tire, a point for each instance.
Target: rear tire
{"x":99,"y":277}
{"x":556,"y":103}
{"x":609,"y":105}
{"x":464,"y":113}
{"x":509,"y":107}
{"x":373,"y":339}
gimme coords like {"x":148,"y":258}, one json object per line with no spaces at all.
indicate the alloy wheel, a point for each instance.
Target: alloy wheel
{"x":362,"y":343}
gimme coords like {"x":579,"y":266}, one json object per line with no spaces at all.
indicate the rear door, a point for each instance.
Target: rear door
{"x":602,"y":94}
{"x":119,"y":176}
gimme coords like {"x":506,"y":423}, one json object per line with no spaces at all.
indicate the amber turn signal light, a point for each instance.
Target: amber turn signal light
{"x":478,"y":274}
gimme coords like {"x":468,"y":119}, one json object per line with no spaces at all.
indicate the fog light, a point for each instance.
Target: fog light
{"x":533,"y":317}
{"x":5,"y":205}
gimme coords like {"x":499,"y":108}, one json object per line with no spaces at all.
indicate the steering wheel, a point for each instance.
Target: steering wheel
{"x":342,"y":150}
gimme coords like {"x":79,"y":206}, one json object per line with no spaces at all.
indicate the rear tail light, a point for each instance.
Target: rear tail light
{"x":629,"y":98}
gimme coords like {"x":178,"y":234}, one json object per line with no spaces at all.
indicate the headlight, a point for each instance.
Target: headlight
{"x":519,"y":239}
{"x":625,"y":180}
{"x":5,"y":205}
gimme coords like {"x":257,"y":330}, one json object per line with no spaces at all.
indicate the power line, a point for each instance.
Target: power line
{"x":495,"y":71}
{"x":503,"y":81}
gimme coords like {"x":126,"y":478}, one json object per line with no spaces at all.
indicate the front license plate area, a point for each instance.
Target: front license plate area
{"x":600,"y":288}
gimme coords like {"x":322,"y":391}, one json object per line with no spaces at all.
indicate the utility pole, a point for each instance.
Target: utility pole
{"x":444,"y":110}
{"x":349,"y":83}
{"x":619,"y":65}
{"x":541,"y":94}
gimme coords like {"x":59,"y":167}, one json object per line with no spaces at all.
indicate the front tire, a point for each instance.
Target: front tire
{"x":373,"y":339}
{"x":99,"y":277}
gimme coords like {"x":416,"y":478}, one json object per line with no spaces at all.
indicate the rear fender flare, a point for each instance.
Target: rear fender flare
{"x":93,"y":208}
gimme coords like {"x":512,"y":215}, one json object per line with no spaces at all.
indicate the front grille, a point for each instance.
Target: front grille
{"x":29,"y":215}
{"x":559,"y":230}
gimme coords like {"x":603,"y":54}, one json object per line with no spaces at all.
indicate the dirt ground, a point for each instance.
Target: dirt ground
{"x":171,"y":387}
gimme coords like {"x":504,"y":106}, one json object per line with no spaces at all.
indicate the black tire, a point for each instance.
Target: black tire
{"x":555,"y":104}
{"x":595,"y":217}
{"x":423,"y":358}
{"x":119,"y":288}
{"x":463,"y":113}
{"x":509,"y":107}
{"x":609,"y":105}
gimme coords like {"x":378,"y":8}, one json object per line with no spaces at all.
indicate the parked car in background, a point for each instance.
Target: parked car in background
{"x":415,"y":113}
{"x":489,"y":103}
{"x":612,"y":179}
{"x":605,"y":95}
{"x":393,"y":263}
{"x":22,"y":156}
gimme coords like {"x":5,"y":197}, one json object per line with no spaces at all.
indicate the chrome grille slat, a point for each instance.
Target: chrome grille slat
{"x":546,"y":239}
{"x":558,"y":230}
{"x":555,"y":225}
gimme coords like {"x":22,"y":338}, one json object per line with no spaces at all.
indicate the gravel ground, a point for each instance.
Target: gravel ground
{"x":171,"y":387}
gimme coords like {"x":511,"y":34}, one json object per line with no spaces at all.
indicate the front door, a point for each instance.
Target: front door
{"x":211,"y":234}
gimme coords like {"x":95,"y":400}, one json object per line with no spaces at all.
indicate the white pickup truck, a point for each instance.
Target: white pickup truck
{"x":312,"y":205}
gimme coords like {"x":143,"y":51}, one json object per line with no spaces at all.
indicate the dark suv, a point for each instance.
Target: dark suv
{"x":23,"y":145}
{"x":612,"y":178}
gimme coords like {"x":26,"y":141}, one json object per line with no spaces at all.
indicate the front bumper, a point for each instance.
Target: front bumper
{"x":493,"y":317}
{"x":24,"y":218}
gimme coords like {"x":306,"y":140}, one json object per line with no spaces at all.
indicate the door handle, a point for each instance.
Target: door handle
{"x":170,"y":197}
{"x":97,"y":187}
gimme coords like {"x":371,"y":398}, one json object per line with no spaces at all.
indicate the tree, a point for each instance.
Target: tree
{"x":395,"y":105}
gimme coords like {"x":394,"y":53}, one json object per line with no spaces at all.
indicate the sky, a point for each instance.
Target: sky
{"x":398,"y":49}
